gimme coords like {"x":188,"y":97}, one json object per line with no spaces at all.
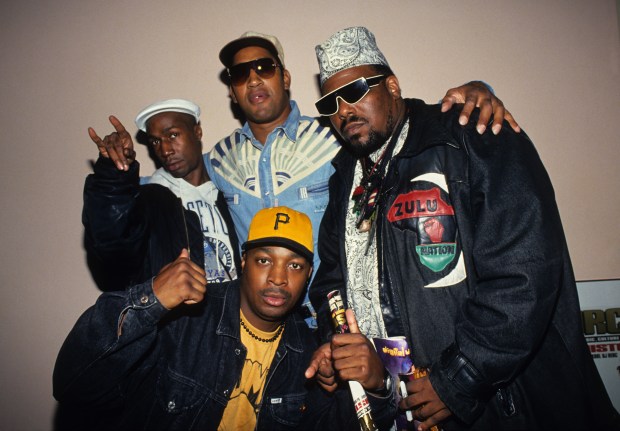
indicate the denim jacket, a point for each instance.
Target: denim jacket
{"x":176,"y":369}
{"x":292,"y":168}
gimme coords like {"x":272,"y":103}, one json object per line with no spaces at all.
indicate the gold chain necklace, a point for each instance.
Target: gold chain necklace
{"x":264,"y":340}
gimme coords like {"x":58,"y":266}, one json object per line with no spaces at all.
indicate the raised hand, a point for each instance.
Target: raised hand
{"x":116,"y":146}
{"x":477,"y":95}
{"x":181,"y":281}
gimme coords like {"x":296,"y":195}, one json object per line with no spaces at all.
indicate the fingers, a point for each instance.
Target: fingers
{"x":498,"y":117}
{"x":328,"y":384}
{"x":182,"y":281}
{"x":367,"y":367}
{"x":473,"y":94}
{"x":354,"y":358}
{"x":122,"y":153}
{"x":484,"y":116}
{"x":429,"y":419}
{"x":198,"y":275}
{"x":476,"y":94}
{"x":323,"y":352}
{"x":118,"y":126}
{"x":513,"y":123}
{"x":326,"y":375}
{"x":321,"y":368}
{"x":468,"y":107}
{"x":97,"y":140}
{"x":117,"y":146}
{"x":93,"y":135}
{"x":447,"y":102}
{"x":419,"y":393}
{"x":312,"y":368}
{"x":424,"y":403}
{"x":352,"y":321}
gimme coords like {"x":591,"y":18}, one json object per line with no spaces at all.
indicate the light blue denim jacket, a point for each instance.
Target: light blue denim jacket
{"x":292,"y":168}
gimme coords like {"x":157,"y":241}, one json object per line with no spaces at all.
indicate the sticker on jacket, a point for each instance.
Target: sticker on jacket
{"x":427,"y":210}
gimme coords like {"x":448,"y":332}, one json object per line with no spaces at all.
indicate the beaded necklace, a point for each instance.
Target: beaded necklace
{"x":264,"y":340}
{"x":369,"y":192}
{"x":365,"y":194}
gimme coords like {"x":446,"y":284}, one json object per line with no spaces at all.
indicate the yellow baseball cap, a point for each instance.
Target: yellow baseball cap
{"x":281,"y":226}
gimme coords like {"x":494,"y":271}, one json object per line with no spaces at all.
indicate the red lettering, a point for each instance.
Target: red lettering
{"x":608,"y":347}
{"x":419,"y":203}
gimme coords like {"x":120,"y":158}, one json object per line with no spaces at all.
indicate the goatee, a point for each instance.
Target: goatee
{"x":375,"y":141}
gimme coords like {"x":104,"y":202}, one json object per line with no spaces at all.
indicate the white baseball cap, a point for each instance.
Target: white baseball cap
{"x":171,"y":105}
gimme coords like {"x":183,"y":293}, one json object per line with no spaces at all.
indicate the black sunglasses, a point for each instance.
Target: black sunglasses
{"x":264,"y":67}
{"x":351,"y":93}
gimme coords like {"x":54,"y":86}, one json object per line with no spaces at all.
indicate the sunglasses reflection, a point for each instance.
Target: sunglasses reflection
{"x":263,"y":67}
{"x":351,"y":93}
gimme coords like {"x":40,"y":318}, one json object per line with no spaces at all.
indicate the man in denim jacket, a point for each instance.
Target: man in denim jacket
{"x":281,"y":157}
{"x":174,"y":353}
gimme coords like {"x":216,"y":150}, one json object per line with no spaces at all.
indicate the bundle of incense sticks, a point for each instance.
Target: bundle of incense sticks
{"x":360,"y":400}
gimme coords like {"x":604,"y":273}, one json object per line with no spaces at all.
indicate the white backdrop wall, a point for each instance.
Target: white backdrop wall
{"x":68,"y":64}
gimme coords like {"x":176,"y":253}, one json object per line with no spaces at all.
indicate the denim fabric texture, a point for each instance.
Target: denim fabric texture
{"x":176,"y":369}
{"x":292,"y":168}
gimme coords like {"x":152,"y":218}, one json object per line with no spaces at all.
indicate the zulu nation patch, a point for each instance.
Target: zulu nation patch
{"x":434,"y":221}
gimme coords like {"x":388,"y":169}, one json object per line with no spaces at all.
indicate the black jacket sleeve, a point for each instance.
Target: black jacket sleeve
{"x":517,"y":253}
{"x":111,"y":340}
{"x":115,"y":228}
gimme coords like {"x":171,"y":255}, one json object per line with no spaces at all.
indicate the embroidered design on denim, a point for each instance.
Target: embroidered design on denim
{"x":291,"y":162}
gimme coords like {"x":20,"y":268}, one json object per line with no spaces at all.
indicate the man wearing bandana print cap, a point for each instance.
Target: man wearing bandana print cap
{"x":479,"y":283}
{"x":279,"y":156}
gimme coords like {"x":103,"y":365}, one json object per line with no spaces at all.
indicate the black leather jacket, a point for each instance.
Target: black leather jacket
{"x":475,"y":272}
{"x":133,"y":230}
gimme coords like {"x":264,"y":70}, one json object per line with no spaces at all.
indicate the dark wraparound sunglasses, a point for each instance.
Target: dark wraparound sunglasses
{"x":264,"y":67}
{"x":351,"y":93}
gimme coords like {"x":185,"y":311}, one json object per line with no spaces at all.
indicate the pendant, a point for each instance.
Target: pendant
{"x":371,"y":236}
{"x":364,"y":226}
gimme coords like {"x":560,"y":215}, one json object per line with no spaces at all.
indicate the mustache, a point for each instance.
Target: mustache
{"x":277,"y":291}
{"x":351,"y":119}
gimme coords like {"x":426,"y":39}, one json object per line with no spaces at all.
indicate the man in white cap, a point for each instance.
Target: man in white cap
{"x":175,"y":353}
{"x":280,"y":157}
{"x":453,"y":240}
{"x":133,"y":230}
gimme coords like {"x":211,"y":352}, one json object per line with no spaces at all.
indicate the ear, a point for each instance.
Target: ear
{"x":231,"y":92}
{"x":198,"y":131}
{"x":287,"y":79}
{"x":243,"y":261}
{"x":391,"y":82}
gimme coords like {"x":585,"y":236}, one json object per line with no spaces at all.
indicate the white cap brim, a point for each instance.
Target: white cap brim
{"x":171,"y":105}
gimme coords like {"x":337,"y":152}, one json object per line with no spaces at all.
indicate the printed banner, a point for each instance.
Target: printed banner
{"x":600,"y":313}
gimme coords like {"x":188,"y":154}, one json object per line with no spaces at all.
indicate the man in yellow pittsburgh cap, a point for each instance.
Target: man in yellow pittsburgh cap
{"x":177,"y":353}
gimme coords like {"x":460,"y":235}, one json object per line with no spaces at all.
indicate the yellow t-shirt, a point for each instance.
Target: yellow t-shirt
{"x":245,"y":399}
